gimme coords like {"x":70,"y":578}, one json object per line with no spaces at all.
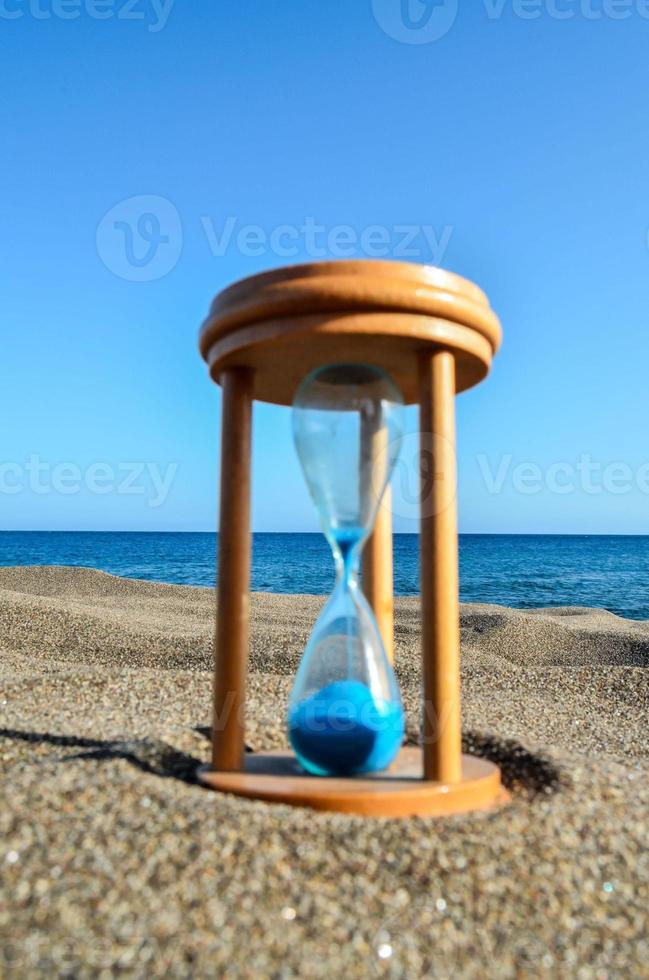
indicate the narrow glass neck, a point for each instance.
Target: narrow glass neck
{"x":347,"y":556}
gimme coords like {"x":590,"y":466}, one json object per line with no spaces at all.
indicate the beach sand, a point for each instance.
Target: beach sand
{"x":112,"y":860}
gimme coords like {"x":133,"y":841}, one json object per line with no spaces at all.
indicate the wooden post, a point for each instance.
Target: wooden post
{"x":378,"y":582}
{"x":378,"y":579}
{"x":233,"y":614}
{"x":439,"y":570}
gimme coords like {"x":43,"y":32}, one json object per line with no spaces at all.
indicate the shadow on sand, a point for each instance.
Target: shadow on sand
{"x":148,"y":755}
{"x":523,"y":771}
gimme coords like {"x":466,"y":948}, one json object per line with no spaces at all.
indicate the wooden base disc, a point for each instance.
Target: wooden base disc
{"x":277,"y":777}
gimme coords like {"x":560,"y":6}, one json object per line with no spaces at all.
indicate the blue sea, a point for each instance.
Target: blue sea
{"x":514,"y":570}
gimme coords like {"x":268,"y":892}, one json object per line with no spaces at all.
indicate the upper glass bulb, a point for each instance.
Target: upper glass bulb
{"x":347,"y":425}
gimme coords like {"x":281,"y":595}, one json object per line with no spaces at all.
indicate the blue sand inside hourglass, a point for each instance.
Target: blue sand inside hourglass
{"x":343,"y":729}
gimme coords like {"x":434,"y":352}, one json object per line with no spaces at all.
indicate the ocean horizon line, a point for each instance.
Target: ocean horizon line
{"x":512,"y":569}
{"x":403,"y":534}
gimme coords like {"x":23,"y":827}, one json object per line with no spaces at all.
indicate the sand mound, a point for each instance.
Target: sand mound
{"x":113,"y":859}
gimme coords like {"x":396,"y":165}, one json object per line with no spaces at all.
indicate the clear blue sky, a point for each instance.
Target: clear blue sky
{"x":521,"y":144}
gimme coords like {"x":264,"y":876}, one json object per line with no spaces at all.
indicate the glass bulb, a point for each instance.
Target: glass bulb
{"x":345,"y":714}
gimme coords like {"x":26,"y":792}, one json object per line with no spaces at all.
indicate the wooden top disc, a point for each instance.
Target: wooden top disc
{"x":286,"y":322}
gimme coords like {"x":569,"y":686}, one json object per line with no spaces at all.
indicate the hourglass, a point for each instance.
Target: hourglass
{"x":345,"y":715}
{"x":346,"y":343}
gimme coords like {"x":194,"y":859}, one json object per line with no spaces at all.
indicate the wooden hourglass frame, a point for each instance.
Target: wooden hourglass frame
{"x":435,"y":334}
